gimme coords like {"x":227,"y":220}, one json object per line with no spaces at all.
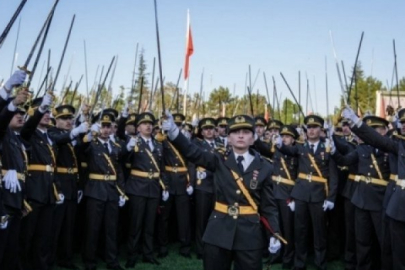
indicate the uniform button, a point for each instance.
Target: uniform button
{"x":368,"y":174}
{"x":238,"y":191}
{"x":281,"y":169}
{"x":371,"y":166}
{"x":215,"y":216}
{"x":312,"y":165}
{"x":235,"y":217}
{"x":236,"y":204}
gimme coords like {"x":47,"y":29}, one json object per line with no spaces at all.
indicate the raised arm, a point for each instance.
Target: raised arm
{"x":373,"y":138}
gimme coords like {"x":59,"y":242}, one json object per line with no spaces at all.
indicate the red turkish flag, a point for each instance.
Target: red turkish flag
{"x":189,"y":48}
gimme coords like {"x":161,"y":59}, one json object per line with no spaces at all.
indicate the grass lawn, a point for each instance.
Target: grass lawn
{"x":177,"y":262}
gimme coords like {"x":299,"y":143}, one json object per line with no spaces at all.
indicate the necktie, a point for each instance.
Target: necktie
{"x":240,"y":165}
{"x":312,"y":148}
{"x":148,"y":145}
{"x":46,"y":138}
{"x":212,"y":145}
{"x":106,"y":147}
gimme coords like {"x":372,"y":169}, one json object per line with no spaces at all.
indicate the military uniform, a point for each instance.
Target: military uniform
{"x":67,"y":178}
{"x":234,"y":232}
{"x":42,"y":192}
{"x":284,"y":175}
{"x":13,"y":157}
{"x":373,"y":177}
{"x":316,"y":183}
{"x":177,"y":173}
{"x":104,"y":186}
{"x":143,"y":187}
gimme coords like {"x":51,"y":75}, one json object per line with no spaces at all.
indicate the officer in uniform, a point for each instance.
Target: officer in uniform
{"x":104,"y":192}
{"x":274,"y":127}
{"x":372,"y":178}
{"x":314,"y":191}
{"x":393,"y":218}
{"x":42,"y":190}
{"x":67,"y":178}
{"x":222,"y":124}
{"x":180,"y":190}
{"x":260,"y":124}
{"x":14,"y":161}
{"x":243,"y":192}
{"x":143,"y":187}
{"x":284,"y":175}
{"x":204,"y":183}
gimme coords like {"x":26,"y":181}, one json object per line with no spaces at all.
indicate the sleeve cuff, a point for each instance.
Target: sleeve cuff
{"x":11,"y":107}
{"x":3,"y":93}
{"x":173,"y":134}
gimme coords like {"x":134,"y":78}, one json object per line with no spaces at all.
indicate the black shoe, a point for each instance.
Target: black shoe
{"x":151,"y":261}
{"x":68,"y":266}
{"x":186,"y":255}
{"x":117,"y":267}
{"x":163,"y":254}
{"x":130,"y":263}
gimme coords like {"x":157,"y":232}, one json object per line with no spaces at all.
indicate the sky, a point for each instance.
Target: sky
{"x":228,"y":35}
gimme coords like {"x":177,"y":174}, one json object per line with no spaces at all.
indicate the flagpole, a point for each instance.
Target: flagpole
{"x":189,"y":52}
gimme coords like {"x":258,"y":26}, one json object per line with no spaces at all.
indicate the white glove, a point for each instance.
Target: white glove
{"x":348,"y":113}
{"x":46,"y":103}
{"x":16,"y":79}
{"x":95,"y":128}
{"x":82,"y":118}
{"x":190,"y":190}
{"x":11,"y":182}
{"x":291,"y":204}
{"x":131,"y":144}
{"x":3,"y":225}
{"x":169,"y":126}
{"x":194,"y":123}
{"x":79,"y":196}
{"x":165,"y":195}
{"x":274,"y":245}
{"x":82,"y":128}
{"x":125,"y":111}
{"x":61,"y":199}
{"x":277,"y":140}
{"x":121,"y":201}
{"x":201,"y":175}
{"x":328,"y":205}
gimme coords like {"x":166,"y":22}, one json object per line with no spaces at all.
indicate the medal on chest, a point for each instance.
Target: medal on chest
{"x":254,"y":181}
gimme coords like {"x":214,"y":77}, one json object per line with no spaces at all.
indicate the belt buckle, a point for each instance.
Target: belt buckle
{"x":233,"y":211}
{"x":70,"y":170}
{"x":402,"y":184}
{"x":150,"y":175}
{"x":48,"y":168}
{"x":357,"y":178}
{"x":278,"y":180}
{"x":106,"y":177}
{"x":309,"y":177}
{"x":175,"y":169}
{"x":22,"y":177}
{"x":367,"y":179}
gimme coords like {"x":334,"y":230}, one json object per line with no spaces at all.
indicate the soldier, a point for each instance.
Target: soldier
{"x":393,"y":217}
{"x":144,"y":187}
{"x":372,"y":178}
{"x":103,"y":191}
{"x":204,"y":183}
{"x":260,"y":124}
{"x":179,"y":188}
{"x":67,"y":178}
{"x":14,"y":162}
{"x":314,"y":191}
{"x":41,"y":188}
{"x":274,"y":127}
{"x":233,"y":233}
{"x":222,"y":124}
{"x":284,"y":175}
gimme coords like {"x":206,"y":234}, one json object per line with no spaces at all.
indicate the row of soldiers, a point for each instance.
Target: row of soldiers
{"x":296,"y":182}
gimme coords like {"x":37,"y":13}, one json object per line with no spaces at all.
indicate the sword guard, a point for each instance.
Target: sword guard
{"x":25,"y":69}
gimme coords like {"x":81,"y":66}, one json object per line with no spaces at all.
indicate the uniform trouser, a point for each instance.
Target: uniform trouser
{"x":368,"y":224}
{"x":216,"y":258}
{"x":101,"y":213}
{"x":36,"y":237}
{"x":286,"y":220}
{"x":9,"y":243}
{"x":386,"y":250}
{"x":204,"y":204}
{"x":335,"y":233}
{"x":350,"y":236}
{"x":142,"y":215}
{"x":64,"y":216}
{"x":397,"y":229}
{"x":182,"y":204}
{"x":305,"y":212}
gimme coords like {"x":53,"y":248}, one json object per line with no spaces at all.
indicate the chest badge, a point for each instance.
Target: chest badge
{"x":254,"y":181}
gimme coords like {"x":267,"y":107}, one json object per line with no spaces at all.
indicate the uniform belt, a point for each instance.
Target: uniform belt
{"x":343,"y":168}
{"x":368,"y":180}
{"x":394,"y":177}
{"x":401,"y":183}
{"x":83,"y":164}
{"x":175,"y":169}
{"x":149,"y":175}
{"x":67,"y":170}
{"x":280,"y":179}
{"x":102,"y":177}
{"x":311,"y":178}
{"x":20,"y":176}
{"x":41,"y":168}
{"x":234,"y":210}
